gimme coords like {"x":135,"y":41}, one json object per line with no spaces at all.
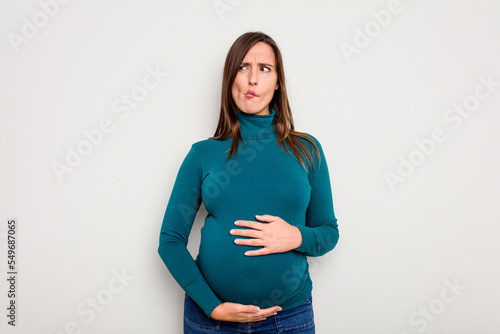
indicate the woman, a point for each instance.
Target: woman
{"x":267,"y":192}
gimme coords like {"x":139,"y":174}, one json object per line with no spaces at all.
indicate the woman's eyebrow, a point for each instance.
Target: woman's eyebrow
{"x":260,"y":64}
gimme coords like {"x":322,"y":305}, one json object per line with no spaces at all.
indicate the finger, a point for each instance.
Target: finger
{"x":258,"y":252}
{"x":255,"y":318}
{"x":250,"y":224}
{"x":262,"y":314}
{"x":248,"y":308}
{"x":252,"y":319}
{"x":270,"y":311}
{"x":266,"y":218}
{"x":276,"y":308}
{"x":249,"y":242}
{"x":245,"y":233}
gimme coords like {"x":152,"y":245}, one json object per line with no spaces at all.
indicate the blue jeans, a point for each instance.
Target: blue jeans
{"x":299,"y":320}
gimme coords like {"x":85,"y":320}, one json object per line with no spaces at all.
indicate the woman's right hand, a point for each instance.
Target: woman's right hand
{"x":242,"y":313}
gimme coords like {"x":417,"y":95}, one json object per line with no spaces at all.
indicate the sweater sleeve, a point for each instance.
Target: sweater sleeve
{"x":320,"y":234}
{"x":180,"y":213}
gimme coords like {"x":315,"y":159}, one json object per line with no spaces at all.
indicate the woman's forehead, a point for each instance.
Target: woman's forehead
{"x":260,"y":53}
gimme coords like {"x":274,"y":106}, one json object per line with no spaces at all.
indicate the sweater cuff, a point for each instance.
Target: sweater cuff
{"x":303,"y":231}
{"x":208,"y":309}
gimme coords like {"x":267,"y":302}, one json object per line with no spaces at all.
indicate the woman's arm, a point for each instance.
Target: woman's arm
{"x":180,"y":213}
{"x":321,"y":234}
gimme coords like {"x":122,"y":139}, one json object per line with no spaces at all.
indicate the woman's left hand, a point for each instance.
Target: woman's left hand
{"x":273,"y":234}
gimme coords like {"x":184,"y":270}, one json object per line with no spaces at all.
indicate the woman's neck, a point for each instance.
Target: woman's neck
{"x":256,"y":126}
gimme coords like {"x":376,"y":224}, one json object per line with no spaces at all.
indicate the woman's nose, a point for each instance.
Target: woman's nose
{"x":252,"y":80}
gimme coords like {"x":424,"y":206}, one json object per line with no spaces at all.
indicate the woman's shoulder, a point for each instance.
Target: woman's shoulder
{"x":310,"y":136}
{"x":209,"y":144}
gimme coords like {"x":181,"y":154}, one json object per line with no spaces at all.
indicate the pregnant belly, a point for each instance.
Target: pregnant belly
{"x":265,"y":281}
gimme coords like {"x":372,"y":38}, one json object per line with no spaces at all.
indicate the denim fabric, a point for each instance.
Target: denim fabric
{"x":299,"y":320}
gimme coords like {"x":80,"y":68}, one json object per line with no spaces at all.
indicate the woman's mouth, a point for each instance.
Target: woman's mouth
{"x":250,"y":94}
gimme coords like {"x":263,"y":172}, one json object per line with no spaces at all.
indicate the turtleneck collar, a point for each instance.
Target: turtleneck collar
{"x":256,"y":126}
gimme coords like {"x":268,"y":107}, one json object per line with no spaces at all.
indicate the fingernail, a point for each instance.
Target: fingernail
{"x":236,"y":223}
{"x":232,"y":231}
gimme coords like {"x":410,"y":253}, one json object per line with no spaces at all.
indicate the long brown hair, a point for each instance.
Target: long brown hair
{"x":228,"y":120}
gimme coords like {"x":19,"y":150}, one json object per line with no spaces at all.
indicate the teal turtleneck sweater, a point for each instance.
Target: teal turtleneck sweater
{"x":260,"y":179}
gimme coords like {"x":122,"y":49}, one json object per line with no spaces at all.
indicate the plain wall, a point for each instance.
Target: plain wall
{"x":393,"y":91}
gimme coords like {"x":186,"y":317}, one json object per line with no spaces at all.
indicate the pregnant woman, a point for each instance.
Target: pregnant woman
{"x":266,"y":189}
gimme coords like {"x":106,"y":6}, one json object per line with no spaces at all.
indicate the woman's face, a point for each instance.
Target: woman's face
{"x":256,"y":80}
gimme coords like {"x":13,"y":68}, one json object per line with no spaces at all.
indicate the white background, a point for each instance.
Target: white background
{"x":398,"y":247}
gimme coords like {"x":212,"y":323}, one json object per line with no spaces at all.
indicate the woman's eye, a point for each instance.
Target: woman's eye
{"x":242,"y":68}
{"x":265,"y":69}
